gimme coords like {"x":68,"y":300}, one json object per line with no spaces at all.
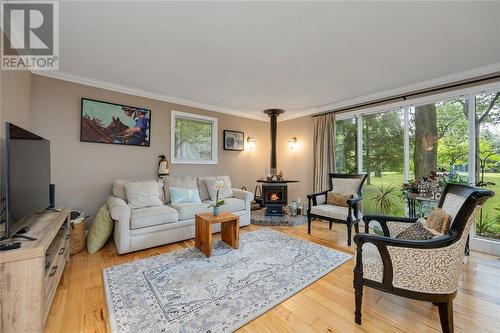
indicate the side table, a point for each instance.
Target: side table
{"x":230,"y":230}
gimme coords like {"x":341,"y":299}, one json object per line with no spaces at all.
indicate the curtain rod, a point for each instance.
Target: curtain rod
{"x":404,"y":97}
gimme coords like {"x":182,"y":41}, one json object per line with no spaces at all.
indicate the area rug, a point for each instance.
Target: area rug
{"x":184,"y":291}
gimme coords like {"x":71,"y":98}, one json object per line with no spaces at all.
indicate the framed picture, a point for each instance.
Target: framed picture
{"x":193,"y":139}
{"x":105,"y":122}
{"x":234,"y":140}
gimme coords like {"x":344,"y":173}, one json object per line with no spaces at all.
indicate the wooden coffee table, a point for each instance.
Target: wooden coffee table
{"x":230,"y":230}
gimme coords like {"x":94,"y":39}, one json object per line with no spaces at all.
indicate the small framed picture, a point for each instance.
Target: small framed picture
{"x":234,"y":140}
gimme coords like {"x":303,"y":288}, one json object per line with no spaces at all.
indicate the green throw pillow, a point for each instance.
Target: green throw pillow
{"x":100,"y":230}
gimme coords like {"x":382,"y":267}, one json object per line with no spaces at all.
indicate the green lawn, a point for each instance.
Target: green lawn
{"x":491,"y":210}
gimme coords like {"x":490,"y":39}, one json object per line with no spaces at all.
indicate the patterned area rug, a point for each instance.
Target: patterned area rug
{"x":183,"y":291}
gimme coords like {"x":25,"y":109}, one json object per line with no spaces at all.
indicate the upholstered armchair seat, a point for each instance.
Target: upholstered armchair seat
{"x":334,"y":212}
{"x":349,"y":213}
{"x":427,"y":270}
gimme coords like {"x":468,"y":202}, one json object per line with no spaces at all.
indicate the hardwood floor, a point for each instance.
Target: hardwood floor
{"x":325,"y":306}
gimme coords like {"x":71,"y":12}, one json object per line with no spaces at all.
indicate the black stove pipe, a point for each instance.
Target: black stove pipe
{"x":273,"y":114}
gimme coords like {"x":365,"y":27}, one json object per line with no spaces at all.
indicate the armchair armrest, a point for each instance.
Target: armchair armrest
{"x":383,"y":220}
{"x":314,"y":198}
{"x":384,"y":241}
{"x":355,"y":200}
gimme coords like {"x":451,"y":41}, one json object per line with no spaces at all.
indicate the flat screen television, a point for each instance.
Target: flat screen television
{"x":27,"y":177}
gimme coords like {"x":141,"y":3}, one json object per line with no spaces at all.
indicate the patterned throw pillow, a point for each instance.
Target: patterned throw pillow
{"x":438,"y":220}
{"x":338,"y":199}
{"x":416,"y":231}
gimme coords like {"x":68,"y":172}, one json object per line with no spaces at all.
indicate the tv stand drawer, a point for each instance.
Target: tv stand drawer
{"x":29,"y":276}
{"x":54,"y":271}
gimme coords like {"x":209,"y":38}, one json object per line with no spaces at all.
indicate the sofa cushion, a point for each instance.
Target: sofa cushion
{"x":179,"y":182}
{"x":226,"y":192}
{"x":336,"y":212}
{"x":143,"y":194}
{"x":187,"y":210}
{"x":118,"y":188}
{"x":230,"y":204}
{"x":202,"y":187}
{"x":150,"y":216}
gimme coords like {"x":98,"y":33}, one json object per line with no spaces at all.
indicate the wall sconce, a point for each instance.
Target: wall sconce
{"x":292,"y":143}
{"x":251,"y":143}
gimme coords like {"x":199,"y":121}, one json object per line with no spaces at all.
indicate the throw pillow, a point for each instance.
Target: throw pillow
{"x":178,"y":195}
{"x":338,"y":199}
{"x":179,"y":182}
{"x":416,"y":231}
{"x":100,"y":230}
{"x":438,"y":220}
{"x":118,"y":189}
{"x":226,"y":192}
{"x":202,"y":187}
{"x":143,"y":194}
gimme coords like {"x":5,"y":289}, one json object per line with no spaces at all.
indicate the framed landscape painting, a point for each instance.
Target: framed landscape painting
{"x":105,"y":122}
{"x":234,"y":140}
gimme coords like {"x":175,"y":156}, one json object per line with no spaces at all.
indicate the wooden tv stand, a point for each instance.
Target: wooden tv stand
{"x":29,"y":275}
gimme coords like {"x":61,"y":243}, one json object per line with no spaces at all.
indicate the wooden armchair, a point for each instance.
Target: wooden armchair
{"x":426,"y":270}
{"x":349,"y":215}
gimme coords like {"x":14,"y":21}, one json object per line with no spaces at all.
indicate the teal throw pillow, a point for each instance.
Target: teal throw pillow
{"x":178,"y":195}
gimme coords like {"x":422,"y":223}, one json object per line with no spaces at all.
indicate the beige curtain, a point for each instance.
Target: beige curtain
{"x":323,"y":152}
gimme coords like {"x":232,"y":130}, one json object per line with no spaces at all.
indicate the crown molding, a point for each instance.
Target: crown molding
{"x":290,"y":114}
{"x":456,"y":77}
{"x":142,"y":93}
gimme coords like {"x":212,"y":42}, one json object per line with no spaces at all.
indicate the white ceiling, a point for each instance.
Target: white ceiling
{"x":244,"y":57}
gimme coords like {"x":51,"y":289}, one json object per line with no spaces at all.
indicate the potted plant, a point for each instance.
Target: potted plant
{"x":219,"y":186}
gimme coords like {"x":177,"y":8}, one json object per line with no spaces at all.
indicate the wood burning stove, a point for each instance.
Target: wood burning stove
{"x":274,"y":197}
{"x":274,"y":188}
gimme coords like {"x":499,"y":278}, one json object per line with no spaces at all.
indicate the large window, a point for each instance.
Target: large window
{"x":346,"y":159}
{"x":453,"y":137}
{"x":383,"y":161}
{"x":439,"y":140}
{"x":487,"y":141}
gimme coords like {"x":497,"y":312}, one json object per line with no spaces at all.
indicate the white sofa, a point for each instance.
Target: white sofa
{"x":137,"y":229}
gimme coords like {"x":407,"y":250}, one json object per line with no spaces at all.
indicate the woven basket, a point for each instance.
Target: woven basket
{"x":77,"y":236}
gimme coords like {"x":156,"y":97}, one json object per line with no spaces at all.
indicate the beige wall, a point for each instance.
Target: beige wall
{"x":83,"y":171}
{"x":297,"y":164}
{"x":15,"y":98}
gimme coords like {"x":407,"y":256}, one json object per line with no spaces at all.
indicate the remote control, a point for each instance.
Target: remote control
{"x":10,"y":246}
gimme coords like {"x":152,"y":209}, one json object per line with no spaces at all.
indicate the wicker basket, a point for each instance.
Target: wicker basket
{"x":77,"y":235}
